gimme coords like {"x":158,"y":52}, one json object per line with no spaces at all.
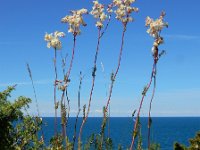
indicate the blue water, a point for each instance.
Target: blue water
{"x":165,"y":130}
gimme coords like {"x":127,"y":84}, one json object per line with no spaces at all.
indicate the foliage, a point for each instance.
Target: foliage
{"x":27,"y":133}
{"x":155,"y":146}
{"x":18,"y":131}
{"x":194,"y":144}
{"x":178,"y":146}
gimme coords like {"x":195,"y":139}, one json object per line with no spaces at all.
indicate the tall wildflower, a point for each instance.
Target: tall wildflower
{"x":154,"y":30}
{"x":123,"y":11}
{"x":75,"y":21}
{"x":54,"y":42}
{"x":98,"y":12}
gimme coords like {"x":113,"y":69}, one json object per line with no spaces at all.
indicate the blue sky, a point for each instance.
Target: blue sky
{"x":24,"y":23}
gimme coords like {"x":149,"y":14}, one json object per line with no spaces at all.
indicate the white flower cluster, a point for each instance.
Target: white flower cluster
{"x":53,"y":39}
{"x":75,"y":20}
{"x":156,"y":26}
{"x":98,"y":13}
{"x":154,"y":30}
{"x":124,"y":10}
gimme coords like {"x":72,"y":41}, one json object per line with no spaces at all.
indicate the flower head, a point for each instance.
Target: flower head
{"x":124,"y":10}
{"x":98,"y":13}
{"x":155,"y":27}
{"x":53,"y":39}
{"x":75,"y":21}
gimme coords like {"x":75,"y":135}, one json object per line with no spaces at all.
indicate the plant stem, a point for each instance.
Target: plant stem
{"x":66,"y":80}
{"x":141,"y":102}
{"x":63,"y":115}
{"x":55,"y":86}
{"x":149,"y":117}
{"x":93,"y":83}
{"x":79,"y":109}
{"x":106,"y":27}
{"x":72,"y":58}
{"x":112,"y":83}
{"x":118,"y":66}
{"x":109,"y":122}
{"x":35,"y":95}
{"x":68,"y":107}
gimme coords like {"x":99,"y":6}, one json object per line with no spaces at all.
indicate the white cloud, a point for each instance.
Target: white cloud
{"x":98,"y":111}
{"x":182,"y":36}
{"x":11,"y":43}
{"x":38,"y":82}
{"x":174,"y":102}
{"x":182,"y":102}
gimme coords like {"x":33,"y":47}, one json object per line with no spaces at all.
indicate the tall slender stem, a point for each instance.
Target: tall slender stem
{"x":72,"y":58}
{"x":66,"y":80}
{"x":63,"y":114}
{"x":68,"y":107}
{"x":35,"y":95}
{"x":109,"y":122}
{"x":79,"y":109}
{"x":55,"y":86}
{"x":118,"y":66}
{"x":106,"y":27}
{"x":149,"y":117}
{"x":141,"y":102}
{"x":93,"y":83}
{"x":112,"y":84}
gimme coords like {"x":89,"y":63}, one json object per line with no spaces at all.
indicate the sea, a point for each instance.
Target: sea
{"x":164,"y":131}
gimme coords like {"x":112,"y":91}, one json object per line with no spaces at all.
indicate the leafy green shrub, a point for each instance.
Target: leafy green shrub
{"x":194,"y":144}
{"x":18,"y":131}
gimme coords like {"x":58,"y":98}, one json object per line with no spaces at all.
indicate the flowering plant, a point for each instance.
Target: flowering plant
{"x":28,"y":131}
{"x":123,"y":10}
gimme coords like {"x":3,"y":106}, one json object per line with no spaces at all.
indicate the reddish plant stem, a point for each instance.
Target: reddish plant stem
{"x":72,"y":58}
{"x":55,"y":86}
{"x":112,"y":84}
{"x":79,"y":109}
{"x":141,"y":102}
{"x":149,"y":117}
{"x":93,"y":83}
{"x":63,"y":112}
{"x":118,"y":66}
{"x":68,"y":107}
{"x":106,"y":27}
{"x":66,"y":80}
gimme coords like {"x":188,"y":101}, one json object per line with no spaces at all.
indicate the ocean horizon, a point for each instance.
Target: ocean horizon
{"x":164,"y":131}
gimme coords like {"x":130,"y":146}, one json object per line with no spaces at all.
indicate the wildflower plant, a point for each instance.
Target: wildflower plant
{"x":26,"y":134}
{"x":53,"y":41}
{"x":123,"y":11}
{"x":99,"y":14}
{"x":75,"y":20}
{"x":154,"y":30}
{"x":123,"y":14}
